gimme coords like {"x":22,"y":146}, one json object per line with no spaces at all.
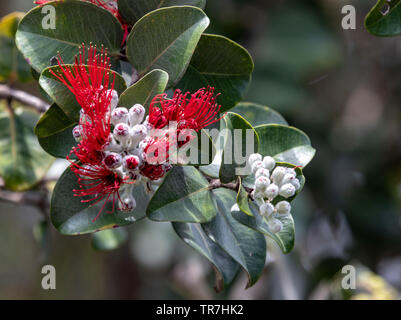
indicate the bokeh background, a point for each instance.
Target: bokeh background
{"x":342,"y":87}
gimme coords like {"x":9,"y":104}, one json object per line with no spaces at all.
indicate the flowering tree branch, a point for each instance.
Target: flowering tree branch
{"x":6,"y":92}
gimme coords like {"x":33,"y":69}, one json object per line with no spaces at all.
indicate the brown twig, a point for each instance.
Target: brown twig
{"x":25,"y":98}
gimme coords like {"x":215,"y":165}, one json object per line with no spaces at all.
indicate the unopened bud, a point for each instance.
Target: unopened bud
{"x":262,"y":172}
{"x":253,"y":158}
{"x":271,"y":191}
{"x":121,"y":132}
{"x":136,"y":114}
{"x":296,"y":184}
{"x":138,"y":133}
{"x":114,"y":98}
{"x":119,"y":115}
{"x":127,"y":204}
{"x":131,"y":162}
{"x":269,"y":163}
{"x":275,"y":225}
{"x":261,"y":183}
{"x":287,"y":190}
{"x":266,"y":209}
{"x":278,"y":175}
{"x":77,"y":133}
{"x":288,"y":178}
{"x":112,"y":160}
{"x":256,"y":166}
{"x":283,"y":207}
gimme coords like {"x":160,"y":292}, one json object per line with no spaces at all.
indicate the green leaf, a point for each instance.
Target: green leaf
{"x":243,"y":244}
{"x":59,"y":145}
{"x":63,"y":97}
{"x":109,"y":239}
{"x":22,"y":161}
{"x":54,"y":120}
{"x":70,"y":216}
{"x":285,"y":238}
{"x":243,"y":199}
{"x":77,"y":22}
{"x":384,"y":19}
{"x":236,"y":145}
{"x":193,"y":235}
{"x":220,"y":63}
{"x":285,"y":144}
{"x":133,"y":10}
{"x":166,"y":39}
{"x":258,"y":114}
{"x":184,"y":196}
{"x":145,"y":89}
{"x":12,"y":64}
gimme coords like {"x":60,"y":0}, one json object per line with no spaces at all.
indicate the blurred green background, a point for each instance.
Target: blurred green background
{"x":342,"y":87}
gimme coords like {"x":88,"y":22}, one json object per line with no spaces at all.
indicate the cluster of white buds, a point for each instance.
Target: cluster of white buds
{"x":124,"y":151}
{"x":272,"y":181}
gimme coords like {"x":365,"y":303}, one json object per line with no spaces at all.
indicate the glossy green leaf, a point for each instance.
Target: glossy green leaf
{"x":77,"y":22}
{"x":63,"y":97}
{"x":243,"y":244}
{"x":285,"y":238}
{"x":237,"y":146}
{"x":72,"y":217}
{"x":258,"y":114}
{"x":384,"y":19}
{"x":184,"y":196}
{"x":243,"y":199}
{"x":133,"y":10}
{"x":12,"y":64}
{"x":145,"y":89}
{"x":52,"y":121}
{"x":220,"y":63}
{"x":285,"y":144}
{"x":109,"y":239}
{"x":23,"y":163}
{"x":193,"y":235}
{"x":166,"y":39}
{"x":59,"y":145}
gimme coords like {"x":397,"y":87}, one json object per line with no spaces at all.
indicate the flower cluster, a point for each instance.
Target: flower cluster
{"x":272,"y":181}
{"x":119,"y":147}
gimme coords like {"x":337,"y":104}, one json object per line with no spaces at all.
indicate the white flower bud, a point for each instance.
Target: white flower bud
{"x":119,"y":115}
{"x":269,"y":163}
{"x":112,"y":145}
{"x":266,"y":209}
{"x":275,"y":225}
{"x":136,"y":114}
{"x":127,"y":203}
{"x":114,"y":98}
{"x":271,"y":191}
{"x":77,"y":133}
{"x":253,"y":158}
{"x":121,"y":132}
{"x":288,"y":178}
{"x":261,"y":183}
{"x":296,"y":184}
{"x":262,"y":172}
{"x":278,"y":175}
{"x":257,"y":194}
{"x":138,"y":133}
{"x":283,"y":207}
{"x":287,"y":190}
{"x":112,"y":160}
{"x":256,"y":166}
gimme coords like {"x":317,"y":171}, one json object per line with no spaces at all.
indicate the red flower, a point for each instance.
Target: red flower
{"x":190,"y":111}
{"x":89,"y":80}
{"x":110,"y":6}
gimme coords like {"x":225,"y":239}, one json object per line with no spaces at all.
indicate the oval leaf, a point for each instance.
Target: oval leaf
{"x":145,"y":89}
{"x":285,"y":144}
{"x":258,"y":114}
{"x":193,"y":235}
{"x":133,"y":10}
{"x":237,"y":147}
{"x":220,"y":63}
{"x":77,"y":22}
{"x":70,"y":216}
{"x":243,"y":244}
{"x":157,"y":43}
{"x":22,"y":161}
{"x":384,"y":18}
{"x":184,"y":196}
